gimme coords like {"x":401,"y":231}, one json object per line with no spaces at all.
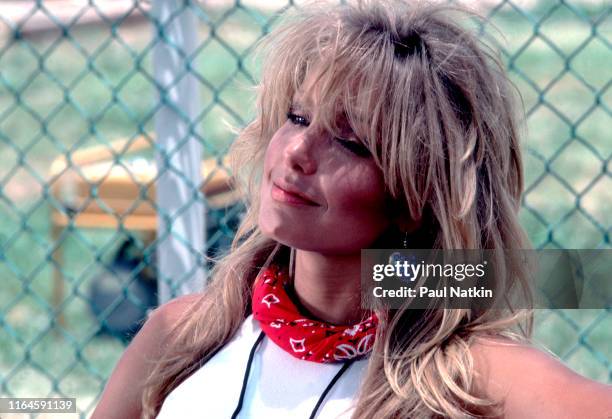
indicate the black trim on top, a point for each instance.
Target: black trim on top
{"x":246,"y":374}
{"x":203,"y":362}
{"x":245,"y":380}
{"x":342,"y":370}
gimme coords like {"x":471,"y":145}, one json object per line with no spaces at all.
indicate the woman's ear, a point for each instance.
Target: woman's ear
{"x":400,"y":217}
{"x":420,"y":233}
{"x":406,"y":224}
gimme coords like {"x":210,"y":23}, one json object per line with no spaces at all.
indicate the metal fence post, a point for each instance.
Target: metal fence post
{"x":181,"y":215}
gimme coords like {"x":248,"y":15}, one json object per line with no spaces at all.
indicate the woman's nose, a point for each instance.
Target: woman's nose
{"x":300,"y":153}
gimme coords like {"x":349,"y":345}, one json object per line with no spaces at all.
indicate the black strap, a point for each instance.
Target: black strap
{"x":246,"y":374}
{"x":248,"y":371}
{"x":342,"y":370}
{"x":203,"y":361}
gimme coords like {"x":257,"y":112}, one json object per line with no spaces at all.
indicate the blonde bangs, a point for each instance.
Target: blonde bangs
{"x":360,"y":79}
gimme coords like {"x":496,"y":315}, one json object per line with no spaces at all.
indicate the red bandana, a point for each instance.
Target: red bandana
{"x":304,"y":338}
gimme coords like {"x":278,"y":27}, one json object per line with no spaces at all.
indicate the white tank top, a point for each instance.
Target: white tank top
{"x":279,"y":385}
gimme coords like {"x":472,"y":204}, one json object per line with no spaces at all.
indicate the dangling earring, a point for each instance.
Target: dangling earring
{"x":397,"y":256}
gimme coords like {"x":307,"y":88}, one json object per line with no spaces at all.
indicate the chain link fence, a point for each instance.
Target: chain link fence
{"x":78,"y":209}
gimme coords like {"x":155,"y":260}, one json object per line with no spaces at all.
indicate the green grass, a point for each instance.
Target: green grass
{"x":85,"y":112}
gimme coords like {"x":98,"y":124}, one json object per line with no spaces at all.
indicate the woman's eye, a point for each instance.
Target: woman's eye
{"x":355,"y":147}
{"x":297,"y":119}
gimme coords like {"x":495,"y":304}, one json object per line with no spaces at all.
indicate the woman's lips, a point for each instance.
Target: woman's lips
{"x":281,"y":195}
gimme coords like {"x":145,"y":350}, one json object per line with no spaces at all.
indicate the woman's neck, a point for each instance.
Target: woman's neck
{"x":329,"y":286}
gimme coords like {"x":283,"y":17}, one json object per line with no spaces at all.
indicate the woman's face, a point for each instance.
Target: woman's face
{"x":343,"y":208}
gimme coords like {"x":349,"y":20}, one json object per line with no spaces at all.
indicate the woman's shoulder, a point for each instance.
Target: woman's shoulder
{"x":122,"y":394}
{"x":533,"y":383}
{"x":162,"y":321}
{"x":167,"y":314}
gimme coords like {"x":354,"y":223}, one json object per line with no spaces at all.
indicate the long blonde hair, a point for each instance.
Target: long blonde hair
{"x":433,"y":104}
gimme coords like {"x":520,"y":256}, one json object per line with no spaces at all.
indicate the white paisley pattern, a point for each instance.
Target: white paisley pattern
{"x":270,"y":299}
{"x":297,"y":344}
{"x":348,"y":351}
{"x":304,"y":337}
{"x":353,"y":330}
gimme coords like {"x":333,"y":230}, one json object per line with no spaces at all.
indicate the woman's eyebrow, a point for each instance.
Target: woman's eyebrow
{"x":296,"y":104}
{"x":303,"y":99}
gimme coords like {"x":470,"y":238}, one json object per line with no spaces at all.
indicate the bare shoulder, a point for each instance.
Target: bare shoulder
{"x":160,"y":324}
{"x":122,"y":395}
{"x":165,"y":316}
{"x":534,"y":384}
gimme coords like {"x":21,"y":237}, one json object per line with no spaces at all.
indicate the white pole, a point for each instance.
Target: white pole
{"x":181,"y":215}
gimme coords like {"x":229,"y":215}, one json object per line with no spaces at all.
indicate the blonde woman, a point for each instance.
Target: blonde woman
{"x":379,"y":125}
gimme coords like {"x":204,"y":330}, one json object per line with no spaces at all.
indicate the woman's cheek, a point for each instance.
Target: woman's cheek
{"x":361,"y":195}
